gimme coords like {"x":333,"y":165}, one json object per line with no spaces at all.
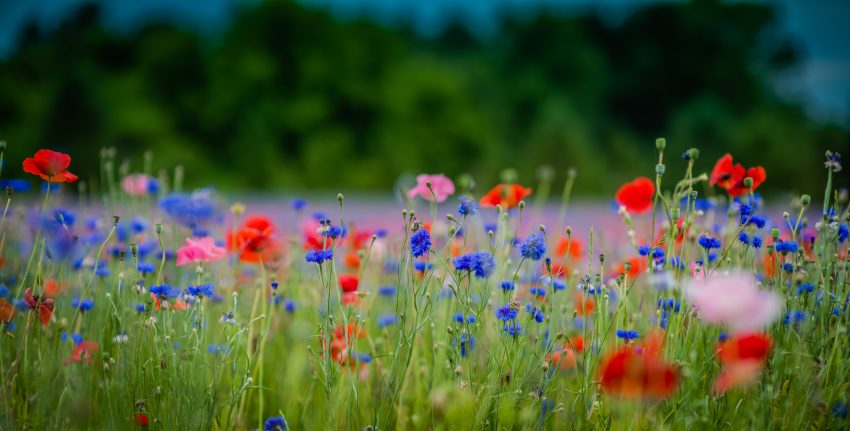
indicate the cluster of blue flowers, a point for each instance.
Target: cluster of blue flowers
{"x":82,"y":305}
{"x":319,"y":256}
{"x":708,"y":242}
{"x":481,"y":263}
{"x":164,"y":291}
{"x":786,"y":247}
{"x":203,"y":290}
{"x":536,"y":313}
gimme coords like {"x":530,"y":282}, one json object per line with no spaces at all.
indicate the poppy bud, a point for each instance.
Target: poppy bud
{"x":805,"y":200}
{"x":602,"y":260}
{"x":115,"y":220}
{"x":521,"y":205}
{"x":340,"y":198}
{"x":571,"y":173}
{"x":774,"y":233}
{"x":674,"y":212}
{"x":134,"y":248}
{"x":158,"y":228}
{"x":659,"y":169}
{"x":569,"y":231}
{"x":660,"y":144}
{"x":9,"y":191}
{"x":121,"y":253}
{"x":542,"y":228}
{"x":452,"y":231}
{"x":748,"y":182}
{"x":451,"y":218}
{"x":692,"y":154}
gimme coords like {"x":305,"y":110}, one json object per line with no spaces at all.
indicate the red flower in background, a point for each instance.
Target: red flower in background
{"x":743,"y":357}
{"x":50,"y":166}
{"x":731,"y":176}
{"x":254,"y":240}
{"x":83,"y":352}
{"x":7,"y":311}
{"x":569,"y":246}
{"x":638,"y":373}
{"x":348,"y":282}
{"x":637,"y":195}
{"x":44,"y":306}
{"x":342,"y":342}
{"x":506,"y":195}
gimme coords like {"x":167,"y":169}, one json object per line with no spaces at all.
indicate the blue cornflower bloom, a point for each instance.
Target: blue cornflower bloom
{"x":202,"y":290}
{"x":138,"y":224}
{"x":481,"y":263}
{"x":513,"y":329}
{"x":146,"y":267}
{"x":465,"y":343}
{"x":757,"y":221}
{"x":298,"y":204}
{"x":289,"y":306}
{"x":708,"y":242}
{"x":723,"y":337}
{"x":381,"y":233}
{"x":390,"y":267}
{"x":336,"y":232}
{"x":643,"y":250}
{"x":420,"y":242}
{"x":189,"y":210}
{"x":422,"y":266}
{"x":757,"y":242}
{"x":102,"y":271}
{"x":744,"y":238}
{"x":276,"y":423}
{"x":17,"y":185}
{"x":76,"y":338}
{"x":744,"y":212}
{"x":217,"y":349}
{"x":805,"y":288}
{"x":463,"y":262}
{"x":537,"y":291}
{"x":83,"y":305}
{"x":843,"y":232}
{"x":458,"y":317}
{"x":386,"y":290}
{"x":364,"y":358}
{"x":319,"y":256}
{"x":558,"y":285}
{"x":140,"y":308}
{"x":386,"y":320}
{"x":4,"y":291}
{"x":794,"y":317}
{"x":491,"y":227}
{"x":788,"y":267}
{"x":658,"y":253}
{"x":535,"y":313}
{"x":506,"y":313}
{"x":670,"y":304}
{"x":467,"y":206}
{"x":507,"y":286}
{"x":534,"y":247}
{"x":164,"y":291}
{"x":787,"y":247}
{"x":626,"y":334}
{"x":840,"y":410}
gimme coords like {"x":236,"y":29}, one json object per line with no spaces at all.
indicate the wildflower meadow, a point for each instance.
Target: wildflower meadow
{"x":130,"y":302}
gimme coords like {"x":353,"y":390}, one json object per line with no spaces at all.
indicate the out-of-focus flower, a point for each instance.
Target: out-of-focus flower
{"x":730,"y":176}
{"x":637,"y":195}
{"x":734,"y":300}
{"x":632,"y":372}
{"x":506,"y":195}
{"x":253,"y":240}
{"x":36,"y":302}
{"x":442,"y":186}
{"x":139,"y":185}
{"x":200,"y":250}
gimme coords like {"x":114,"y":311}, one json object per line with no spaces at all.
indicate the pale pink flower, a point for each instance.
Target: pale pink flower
{"x":136,"y":184}
{"x":200,"y":250}
{"x":443,"y":187}
{"x":735,"y":300}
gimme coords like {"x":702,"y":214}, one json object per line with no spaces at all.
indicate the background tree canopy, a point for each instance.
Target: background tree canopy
{"x":290,"y":97}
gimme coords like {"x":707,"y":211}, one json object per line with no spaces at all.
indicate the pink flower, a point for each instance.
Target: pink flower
{"x":443,"y":187}
{"x":734,"y":299}
{"x":137,"y":184}
{"x":200,"y":250}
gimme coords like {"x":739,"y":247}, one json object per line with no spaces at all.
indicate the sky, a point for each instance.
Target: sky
{"x":819,"y":26}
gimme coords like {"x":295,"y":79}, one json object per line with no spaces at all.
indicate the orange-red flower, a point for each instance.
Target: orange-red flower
{"x":506,"y":195}
{"x":254,"y":240}
{"x":584,"y":304}
{"x":569,"y":246}
{"x":348,"y":282}
{"x":7,"y":311}
{"x":637,"y":195}
{"x":352,"y":260}
{"x":50,"y":166}
{"x":564,"y":359}
{"x":743,"y":357}
{"x":83,"y":352}
{"x":141,"y":419}
{"x":44,"y":306}
{"x":638,"y":373}
{"x":342,"y":342}
{"x":730,"y":176}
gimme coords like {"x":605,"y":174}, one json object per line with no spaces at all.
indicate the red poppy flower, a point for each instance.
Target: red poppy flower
{"x":254,"y":240}
{"x":745,"y":347}
{"x":577,"y":343}
{"x":632,"y":373}
{"x":348,"y":282}
{"x":584,"y":304}
{"x":506,"y":195}
{"x":637,"y":195}
{"x":141,"y":419}
{"x":739,"y":374}
{"x":343,"y":339}
{"x":731,"y":176}
{"x":50,"y":166}
{"x":7,"y":311}
{"x":564,"y":359}
{"x":83,"y":352}
{"x":574,"y":245}
{"x":352,"y":260}
{"x":44,"y":306}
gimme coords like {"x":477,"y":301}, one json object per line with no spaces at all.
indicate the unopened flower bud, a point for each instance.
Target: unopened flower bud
{"x":660,"y":144}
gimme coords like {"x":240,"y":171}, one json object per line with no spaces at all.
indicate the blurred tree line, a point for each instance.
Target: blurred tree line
{"x":290,"y":97}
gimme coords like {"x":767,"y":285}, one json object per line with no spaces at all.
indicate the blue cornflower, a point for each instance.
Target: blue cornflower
{"x":643,"y":250}
{"x":202,"y":290}
{"x":83,"y":305}
{"x":534,"y":247}
{"x":140,"y":308}
{"x":386,"y":320}
{"x":465,"y":343}
{"x":558,"y":285}
{"x":217,"y":349}
{"x":458,"y":317}
{"x":723,"y":337}
{"x":658,"y":253}
{"x":289,"y":306}
{"x":506,"y":313}
{"x":463,"y":262}
{"x":787,"y":247}
{"x":744,"y":212}
{"x":757,"y":241}
{"x":364,"y":358}
{"x":758,"y":221}
{"x":275,"y":285}
{"x":794,"y":317}
{"x":164,"y":291}
{"x":537,"y":291}
{"x":626,"y":334}
{"x":17,"y":185}
{"x":386,"y":290}
{"x":102,"y":271}
{"x":420,"y":242}
{"x":840,"y":410}
{"x":189,"y":210}
{"x":481,"y":263}
{"x":467,"y":206}
{"x":843,"y":232}
{"x":336,"y":232}
{"x":788,"y":267}
{"x":276,"y":423}
{"x":507,"y":286}
{"x":4,"y":291}
{"x":805,"y":288}
{"x":491,"y":227}
{"x":390,"y":267}
{"x":535,"y":313}
{"x":319,"y":256}
{"x":146,"y":267}
{"x":298,"y":204}
{"x":708,"y":242}
{"x":670,"y":304}
{"x":514,"y":329}
{"x":744,"y":238}
{"x":422,"y":266}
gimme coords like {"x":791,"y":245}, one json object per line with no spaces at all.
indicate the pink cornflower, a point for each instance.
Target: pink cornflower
{"x":200,"y":250}
{"x":735,"y":300}
{"x":443,"y":187}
